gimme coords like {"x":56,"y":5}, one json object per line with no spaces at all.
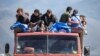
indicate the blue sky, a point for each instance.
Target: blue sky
{"x":90,"y":8}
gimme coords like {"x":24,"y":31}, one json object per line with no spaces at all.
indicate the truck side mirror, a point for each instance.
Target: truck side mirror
{"x":86,"y":51}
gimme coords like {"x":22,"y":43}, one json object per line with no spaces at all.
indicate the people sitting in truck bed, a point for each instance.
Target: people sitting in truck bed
{"x":62,"y":25}
{"x":48,"y":18}
{"x":68,"y":22}
{"x":35,"y":20}
{"x":84,"y":23}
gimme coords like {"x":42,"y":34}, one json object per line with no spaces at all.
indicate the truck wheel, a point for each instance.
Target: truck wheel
{"x":7,"y":47}
{"x":86,"y":51}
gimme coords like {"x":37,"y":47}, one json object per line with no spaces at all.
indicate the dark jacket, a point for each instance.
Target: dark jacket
{"x":20,"y":18}
{"x":34,"y":18}
{"x":65,"y":17}
{"x":47,"y":20}
{"x":26,"y":21}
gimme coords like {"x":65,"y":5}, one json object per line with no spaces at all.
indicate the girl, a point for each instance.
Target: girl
{"x":84,"y":23}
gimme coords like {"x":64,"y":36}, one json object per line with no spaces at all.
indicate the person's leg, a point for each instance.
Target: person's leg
{"x":17,"y":30}
{"x":81,"y":38}
{"x":81,"y":33}
{"x":33,"y":27}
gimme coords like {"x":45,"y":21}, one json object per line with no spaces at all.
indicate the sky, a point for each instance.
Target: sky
{"x":89,"y":8}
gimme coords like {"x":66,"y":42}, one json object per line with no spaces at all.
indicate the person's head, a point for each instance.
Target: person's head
{"x":82,"y":17}
{"x":75,"y":11}
{"x":69,"y":9}
{"x":36,"y":12}
{"x":26,"y":15}
{"x":49,"y":12}
{"x":19,"y":11}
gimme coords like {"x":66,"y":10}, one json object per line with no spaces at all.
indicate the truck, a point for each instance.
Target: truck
{"x":48,"y":44}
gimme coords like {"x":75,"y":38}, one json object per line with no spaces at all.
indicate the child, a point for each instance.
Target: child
{"x":84,"y":23}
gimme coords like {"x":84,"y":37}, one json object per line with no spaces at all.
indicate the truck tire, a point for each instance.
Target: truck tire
{"x":86,"y":51}
{"x":7,"y":47}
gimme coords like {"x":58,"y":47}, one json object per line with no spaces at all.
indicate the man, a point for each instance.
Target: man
{"x":35,"y":20}
{"x":48,"y":18}
{"x":65,"y":17}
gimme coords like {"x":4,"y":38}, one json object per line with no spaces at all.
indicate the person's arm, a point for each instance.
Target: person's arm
{"x":61,"y":17}
{"x":17,"y":16}
{"x":27,"y":21}
{"x":84,"y":25}
{"x":42,"y":17}
{"x":85,"y":22}
{"x":54,"y":19}
{"x":73,"y":21}
{"x":31,"y":19}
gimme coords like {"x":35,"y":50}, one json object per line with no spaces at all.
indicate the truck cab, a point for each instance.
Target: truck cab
{"x":47,"y":44}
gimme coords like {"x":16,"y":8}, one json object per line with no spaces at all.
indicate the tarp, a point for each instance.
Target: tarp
{"x":23,"y":27}
{"x":60,"y":26}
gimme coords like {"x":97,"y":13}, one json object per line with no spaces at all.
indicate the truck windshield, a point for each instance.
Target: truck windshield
{"x":46,"y":44}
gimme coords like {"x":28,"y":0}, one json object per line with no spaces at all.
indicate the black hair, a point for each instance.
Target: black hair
{"x":75,"y":11}
{"x":69,"y":8}
{"x":37,"y":10}
{"x":49,"y":11}
{"x":19,"y":9}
